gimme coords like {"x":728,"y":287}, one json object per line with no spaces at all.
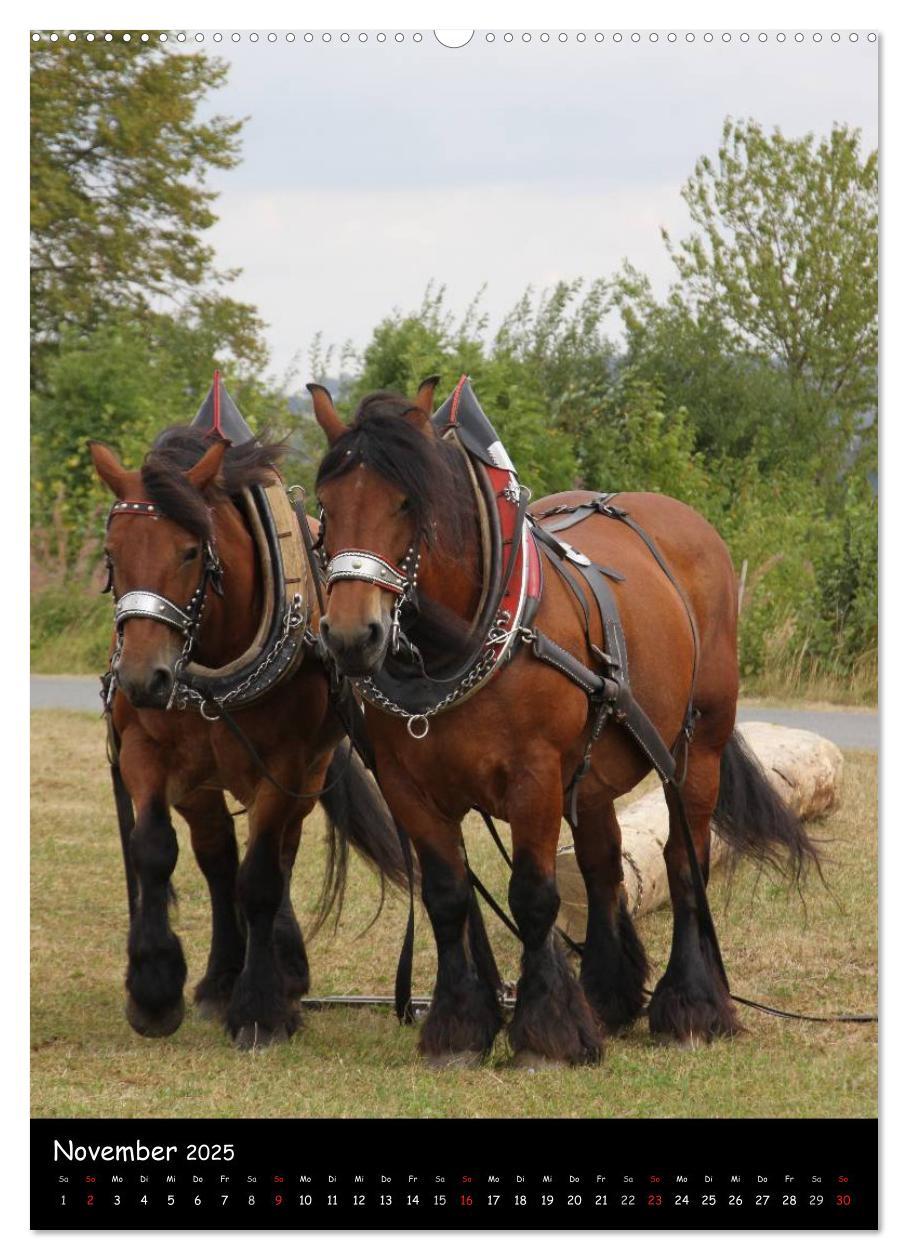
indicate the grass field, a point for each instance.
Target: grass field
{"x":818,"y":955}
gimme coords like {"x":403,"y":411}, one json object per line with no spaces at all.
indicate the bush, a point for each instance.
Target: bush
{"x":71,"y":631}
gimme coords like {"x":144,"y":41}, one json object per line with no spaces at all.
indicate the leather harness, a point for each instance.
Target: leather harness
{"x":282,"y":637}
{"x":512,"y":594}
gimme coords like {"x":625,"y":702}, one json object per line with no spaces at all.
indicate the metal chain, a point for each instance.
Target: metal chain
{"x":499,"y":634}
{"x":292,"y":620}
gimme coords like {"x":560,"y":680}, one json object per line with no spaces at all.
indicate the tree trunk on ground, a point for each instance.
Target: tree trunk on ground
{"x":805,"y":769}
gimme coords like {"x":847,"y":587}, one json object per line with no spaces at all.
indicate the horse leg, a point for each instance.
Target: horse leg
{"x":552,"y":1020}
{"x":614,"y":967}
{"x":156,"y":969}
{"x":213,"y":837}
{"x":691,"y":1002}
{"x":465,"y":1014}
{"x":260,"y":1012}
{"x":288,"y":937}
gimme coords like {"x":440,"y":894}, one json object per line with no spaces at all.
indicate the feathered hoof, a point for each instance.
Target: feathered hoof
{"x":530,"y":1061}
{"x":154,"y":1023}
{"x":458,"y":1061}
{"x":253,"y":1037}
{"x":212,"y":1010}
{"x":691,"y":1021}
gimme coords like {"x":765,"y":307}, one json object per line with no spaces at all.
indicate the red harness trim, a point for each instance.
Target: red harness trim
{"x":455,"y":401}
{"x":216,"y":419}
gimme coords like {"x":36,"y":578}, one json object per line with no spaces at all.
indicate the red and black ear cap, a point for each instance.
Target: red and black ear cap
{"x":219,"y":416}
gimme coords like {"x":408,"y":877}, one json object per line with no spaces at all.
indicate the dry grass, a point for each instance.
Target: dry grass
{"x":817,"y":955}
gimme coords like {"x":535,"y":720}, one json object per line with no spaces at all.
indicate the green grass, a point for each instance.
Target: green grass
{"x":70,"y":631}
{"x":850,"y":684}
{"x":819,"y":956}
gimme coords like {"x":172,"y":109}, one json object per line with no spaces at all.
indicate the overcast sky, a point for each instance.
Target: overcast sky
{"x":371,"y":169}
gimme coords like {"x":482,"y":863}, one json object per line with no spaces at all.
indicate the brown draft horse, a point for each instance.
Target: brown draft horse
{"x":170,"y":759}
{"x":388,"y":484}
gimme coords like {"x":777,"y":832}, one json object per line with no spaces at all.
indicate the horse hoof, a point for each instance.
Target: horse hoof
{"x":529,"y":1061}
{"x":154,"y":1023}
{"x":257,"y":1037}
{"x":456,"y":1059}
{"x":211,"y":1009}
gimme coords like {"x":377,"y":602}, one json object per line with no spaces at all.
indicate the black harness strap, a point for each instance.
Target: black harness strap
{"x":403,"y":981}
{"x":126,"y":818}
{"x":551,"y":653}
{"x":609,"y":691}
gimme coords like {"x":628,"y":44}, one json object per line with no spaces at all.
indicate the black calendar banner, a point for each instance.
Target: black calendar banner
{"x":454,"y":1174}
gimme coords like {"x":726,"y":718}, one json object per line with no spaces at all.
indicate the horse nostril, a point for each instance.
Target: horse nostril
{"x":346,"y":643}
{"x":161,"y":682}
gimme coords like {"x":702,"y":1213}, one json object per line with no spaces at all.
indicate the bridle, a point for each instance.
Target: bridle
{"x":156,"y":607}
{"x":361,"y":565}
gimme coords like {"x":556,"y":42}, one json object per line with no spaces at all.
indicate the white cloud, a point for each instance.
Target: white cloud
{"x":370,"y":170}
{"x":336,"y":261}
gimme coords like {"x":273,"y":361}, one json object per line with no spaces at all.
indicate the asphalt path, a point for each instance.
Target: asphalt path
{"x":849,"y":728}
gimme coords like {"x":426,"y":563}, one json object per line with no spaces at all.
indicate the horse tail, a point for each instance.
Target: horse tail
{"x":754,"y":821}
{"x":357,"y":816}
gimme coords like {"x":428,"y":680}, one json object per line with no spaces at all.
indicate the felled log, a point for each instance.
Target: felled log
{"x":805,"y":769}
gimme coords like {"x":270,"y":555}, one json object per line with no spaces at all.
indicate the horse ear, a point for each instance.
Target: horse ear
{"x":208,"y":467}
{"x":325,"y":413}
{"x":425,"y":395}
{"x":108,"y":468}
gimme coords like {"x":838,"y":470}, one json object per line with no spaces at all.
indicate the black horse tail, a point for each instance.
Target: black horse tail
{"x":754,"y":821}
{"x":358,"y":816}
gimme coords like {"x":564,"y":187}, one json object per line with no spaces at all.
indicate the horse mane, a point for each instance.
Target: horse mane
{"x":432,"y":475}
{"x":178,"y":449}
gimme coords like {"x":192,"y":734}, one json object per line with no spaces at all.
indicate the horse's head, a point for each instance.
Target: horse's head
{"x":156,"y":545}
{"x":382,"y":488}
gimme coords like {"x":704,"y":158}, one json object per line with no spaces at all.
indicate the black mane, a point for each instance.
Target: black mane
{"x":433,"y":477}
{"x":431,"y":474}
{"x":177,"y":449}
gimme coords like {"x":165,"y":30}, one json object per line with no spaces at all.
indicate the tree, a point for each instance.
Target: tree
{"x":122,"y":383}
{"x":119,"y":201}
{"x":783,"y":259}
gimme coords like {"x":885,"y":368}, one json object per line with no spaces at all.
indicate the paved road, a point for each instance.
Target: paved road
{"x":58,"y":691}
{"x":848,"y":729}
{"x":855,"y":729}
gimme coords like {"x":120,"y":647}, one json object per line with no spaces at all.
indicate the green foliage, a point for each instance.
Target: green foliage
{"x":535,"y":375}
{"x":122,"y":383}
{"x":119,"y":158}
{"x":71,"y":629}
{"x":783,"y":260}
{"x":128,"y":314}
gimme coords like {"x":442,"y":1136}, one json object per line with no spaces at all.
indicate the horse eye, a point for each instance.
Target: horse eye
{"x":191,"y":553}
{"x":405,"y":506}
